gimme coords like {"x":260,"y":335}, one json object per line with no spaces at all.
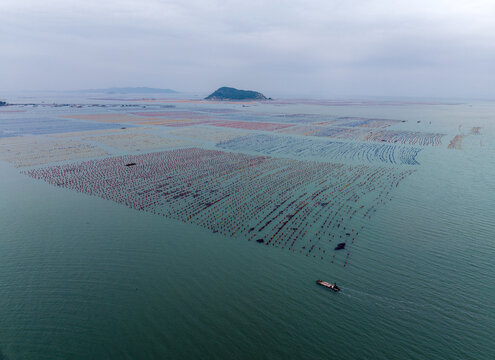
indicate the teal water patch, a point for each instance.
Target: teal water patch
{"x":86,"y":278}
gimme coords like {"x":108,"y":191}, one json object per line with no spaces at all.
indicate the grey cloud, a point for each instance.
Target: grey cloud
{"x":315,"y":47}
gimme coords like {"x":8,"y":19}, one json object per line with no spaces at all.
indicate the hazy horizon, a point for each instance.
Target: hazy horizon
{"x":278,"y":95}
{"x":304,"y":48}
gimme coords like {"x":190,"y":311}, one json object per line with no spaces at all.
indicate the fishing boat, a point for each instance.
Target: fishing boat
{"x":333,"y":286}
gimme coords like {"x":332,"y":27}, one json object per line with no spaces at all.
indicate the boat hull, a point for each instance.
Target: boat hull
{"x":327,"y":285}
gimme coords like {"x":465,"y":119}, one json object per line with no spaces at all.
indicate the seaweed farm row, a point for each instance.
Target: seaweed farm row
{"x":456,"y":142}
{"x":348,"y":128}
{"x":133,"y":141}
{"x":247,"y":125}
{"x":24,"y":151}
{"x":215,"y":135}
{"x":406,"y":137}
{"x":302,"y":206}
{"x":329,"y":150}
{"x":314,"y":119}
{"x":173,"y":119}
{"x":36,"y":151}
{"x":31,"y":150}
{"x":359,"y":134}
{"x":365,"y":122}
{"x":40,"y":126}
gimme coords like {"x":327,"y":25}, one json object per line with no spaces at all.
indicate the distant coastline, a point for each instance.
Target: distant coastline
{"x":130,"y":90}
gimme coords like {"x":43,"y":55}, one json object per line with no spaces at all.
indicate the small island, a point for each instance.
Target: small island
{"x":3,"y":103}
{"x":228,"y":93}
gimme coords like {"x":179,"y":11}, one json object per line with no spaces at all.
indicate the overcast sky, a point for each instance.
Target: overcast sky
{"x":320,"y":48}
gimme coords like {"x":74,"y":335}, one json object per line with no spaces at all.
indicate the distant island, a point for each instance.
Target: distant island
{"x":228,"y":93}
{"x":3,"y":103}
{"x":131,"y":90}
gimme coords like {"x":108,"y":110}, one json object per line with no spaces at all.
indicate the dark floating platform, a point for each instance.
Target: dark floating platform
{"x":130,"y":164}
{"x":340,"y":246}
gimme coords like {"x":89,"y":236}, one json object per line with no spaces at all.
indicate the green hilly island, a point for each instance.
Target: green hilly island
{"x":228,"y":93}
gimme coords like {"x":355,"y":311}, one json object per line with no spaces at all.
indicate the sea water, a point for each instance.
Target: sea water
{"x":86,"y":278}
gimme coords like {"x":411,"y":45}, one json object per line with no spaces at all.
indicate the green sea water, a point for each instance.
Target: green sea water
{"x":85,"y":278}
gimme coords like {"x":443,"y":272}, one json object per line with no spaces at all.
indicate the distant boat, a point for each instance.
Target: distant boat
{"x":333,"y":286}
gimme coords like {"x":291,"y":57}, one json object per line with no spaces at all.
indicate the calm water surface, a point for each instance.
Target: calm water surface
{"x":85,"y":278}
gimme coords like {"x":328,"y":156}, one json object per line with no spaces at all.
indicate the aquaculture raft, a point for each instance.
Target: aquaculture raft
{"x":301,"y":206}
